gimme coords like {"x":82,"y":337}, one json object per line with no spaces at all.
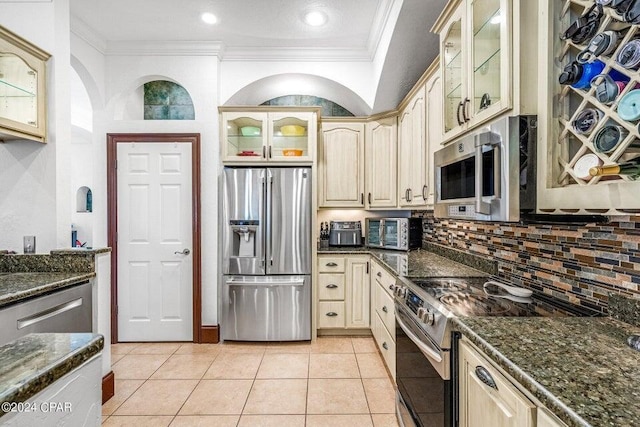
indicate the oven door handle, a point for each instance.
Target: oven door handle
{"x":482,"y":140}
{"x":427,"y":350}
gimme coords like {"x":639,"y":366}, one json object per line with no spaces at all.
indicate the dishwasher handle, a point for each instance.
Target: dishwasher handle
{"x":48,"y":313}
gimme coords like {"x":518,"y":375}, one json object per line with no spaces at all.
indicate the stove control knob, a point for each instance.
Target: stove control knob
{"x":401,"y":291}
{"x":426,"y":316}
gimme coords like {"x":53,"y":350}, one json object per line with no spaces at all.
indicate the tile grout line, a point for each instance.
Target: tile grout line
{"x":197,"y":384}
{"x":252,"y":385}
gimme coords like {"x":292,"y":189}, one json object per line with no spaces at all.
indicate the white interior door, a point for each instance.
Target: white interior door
{"x":155,"y":290}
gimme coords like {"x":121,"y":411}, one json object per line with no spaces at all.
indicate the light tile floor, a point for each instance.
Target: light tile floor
{"x":334,"y":381}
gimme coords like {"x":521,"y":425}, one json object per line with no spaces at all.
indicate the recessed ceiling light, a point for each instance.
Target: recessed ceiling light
{"x":209,"y":18}
{"x":315,"y":18}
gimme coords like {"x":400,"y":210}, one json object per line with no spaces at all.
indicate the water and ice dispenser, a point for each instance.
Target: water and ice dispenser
{"x":243,"y":242}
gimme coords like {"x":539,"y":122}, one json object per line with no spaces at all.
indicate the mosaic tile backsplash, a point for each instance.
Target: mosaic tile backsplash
{"x":580,"y":264}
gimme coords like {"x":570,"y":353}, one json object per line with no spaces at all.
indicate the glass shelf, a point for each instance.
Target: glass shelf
{"x":488,"y":60}
{"x":8,"y":90}
{"x":458,"y":57}
{"x":451,"y":95}
{"x":494,"y":19}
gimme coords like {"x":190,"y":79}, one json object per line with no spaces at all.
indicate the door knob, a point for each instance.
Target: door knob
{"x":185,"y":251}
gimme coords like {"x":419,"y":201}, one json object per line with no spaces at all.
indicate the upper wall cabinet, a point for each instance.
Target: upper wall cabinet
{"x":589,"y":142}
{"x":433,"y":89}
{"x":22,"y":89}
{"x":413,"y":165}
{"x":487,"y":49}
{"x":268,"y":135}
{"x":341,"y":165}
{"x":381,"y":146}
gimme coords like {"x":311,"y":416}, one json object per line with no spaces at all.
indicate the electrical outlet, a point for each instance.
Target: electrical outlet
{"x":450,"y":238}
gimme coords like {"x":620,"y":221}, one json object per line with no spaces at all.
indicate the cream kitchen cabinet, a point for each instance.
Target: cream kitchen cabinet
{"x":433,"y":87}
{"x":23,"y":102}
{"x":358,"y":292}
{"x":412,"y":152}
{"x":344,"y":292}
{"x":546,"y":419}
{"x":381,"y":158}
{"x":487,"y":398}
{"x":342,"y":165}
{"x":488,"y":61}
{"x":269,"y":134}
{"x":383,"y":315}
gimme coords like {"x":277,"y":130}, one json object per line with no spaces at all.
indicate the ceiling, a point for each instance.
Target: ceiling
{"x":275,"y":30}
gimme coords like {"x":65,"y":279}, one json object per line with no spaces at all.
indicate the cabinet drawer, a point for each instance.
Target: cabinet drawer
{"x":330,"y":265}
{"x":331,"y":314}
{"x":385,"y":308}
{"x":386,"y":344}
{"x":331,"y":286}
{"x":385,"y":278}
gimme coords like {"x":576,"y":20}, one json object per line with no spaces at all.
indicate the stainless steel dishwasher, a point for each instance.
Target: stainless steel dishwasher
{"x":66,"y":310}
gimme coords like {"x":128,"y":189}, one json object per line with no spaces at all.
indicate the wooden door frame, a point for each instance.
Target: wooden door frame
{"x":113,"y":139}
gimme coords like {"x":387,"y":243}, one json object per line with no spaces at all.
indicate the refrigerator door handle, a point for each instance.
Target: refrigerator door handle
{"x":270,"y":216}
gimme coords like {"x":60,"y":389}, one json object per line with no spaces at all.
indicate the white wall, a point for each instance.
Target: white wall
{"x":123,"y":76}
{"x":33,"y":198}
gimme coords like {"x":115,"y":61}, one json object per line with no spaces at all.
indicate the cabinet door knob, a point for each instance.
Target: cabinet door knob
{"x":362,"y":198}
{"x":369,"y":197}
{"x":332,"y":286}
{"x":331,"y":264}
{"x":384,"y":308}
{"x":264,"y":152}
{"x":410,"y":194}
{"x":332,"y":314}
{"x":406,"y":194}
{"x":484,"y":376}
{"x":424,"y":192}
{"x":379,"y":274}
{"x":385,"y":346}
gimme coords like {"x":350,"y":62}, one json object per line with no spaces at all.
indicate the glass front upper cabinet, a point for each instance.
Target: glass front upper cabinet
{"x":22,"y":89}
{"x":487,"y":18}
{"x":454,"y":63}
{"x":268,"y":136}
{"x":245,"y":136}
{"x":289,"y":137}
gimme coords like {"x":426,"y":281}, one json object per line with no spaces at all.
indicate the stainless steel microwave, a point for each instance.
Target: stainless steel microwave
{"x":489,"y":174}
{"x":394,"y":233}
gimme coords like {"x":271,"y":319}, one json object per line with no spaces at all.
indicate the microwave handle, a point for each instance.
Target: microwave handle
{"x":482,"y":140}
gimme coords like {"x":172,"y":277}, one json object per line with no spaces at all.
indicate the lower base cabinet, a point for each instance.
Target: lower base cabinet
{"x":383,"y":315}
{"x":488,"y":398}
{"x":344,"y":292}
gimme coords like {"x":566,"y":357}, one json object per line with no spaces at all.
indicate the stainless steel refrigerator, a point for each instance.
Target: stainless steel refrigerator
{"x":266,"y":236}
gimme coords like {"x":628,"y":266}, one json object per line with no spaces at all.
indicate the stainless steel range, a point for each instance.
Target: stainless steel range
{"x":425,"y":347}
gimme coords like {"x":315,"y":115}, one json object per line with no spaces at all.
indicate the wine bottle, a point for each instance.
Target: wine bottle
{"x":629,"y":168}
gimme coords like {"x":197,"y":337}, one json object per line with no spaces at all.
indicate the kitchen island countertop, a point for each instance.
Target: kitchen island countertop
{"x":31,"y":363}
{"x":16,"y":287}
{"x":580,"y":368}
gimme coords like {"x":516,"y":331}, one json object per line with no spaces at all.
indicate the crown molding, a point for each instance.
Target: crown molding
{"x":164,"y":48}
{"x":86,"y":33}
{"x":380,"y":23}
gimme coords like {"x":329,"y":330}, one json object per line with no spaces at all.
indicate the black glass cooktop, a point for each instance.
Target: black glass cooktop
{"x":468,"y":297}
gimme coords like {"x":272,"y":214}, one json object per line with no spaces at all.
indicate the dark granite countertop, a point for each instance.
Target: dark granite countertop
{"x":15,"y":287}
{"x":579,"y":368}
{"x":412,"y":264}
{"x":80,"y":251}
{"x":30,"y":364}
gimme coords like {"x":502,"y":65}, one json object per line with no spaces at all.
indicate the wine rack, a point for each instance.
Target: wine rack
{"x":560,"y":189}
